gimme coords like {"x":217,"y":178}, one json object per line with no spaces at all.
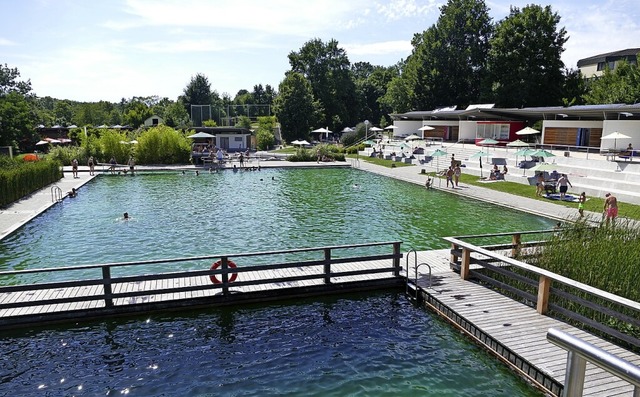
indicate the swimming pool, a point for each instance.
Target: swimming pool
{"x":355,"y":345}
{"x":175,"y":215}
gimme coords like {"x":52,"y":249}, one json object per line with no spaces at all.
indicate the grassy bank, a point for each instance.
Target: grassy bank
{"x":594,"y":204}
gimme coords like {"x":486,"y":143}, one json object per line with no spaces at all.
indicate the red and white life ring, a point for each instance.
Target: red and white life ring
{"x":214,"y":278}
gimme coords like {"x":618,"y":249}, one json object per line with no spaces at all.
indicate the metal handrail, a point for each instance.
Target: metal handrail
{"x":406,"y":262}
{"x":56,"y":194}
{"x":579,"y":352}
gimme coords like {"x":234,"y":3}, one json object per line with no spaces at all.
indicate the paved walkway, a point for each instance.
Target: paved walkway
{"x":21,"y":212}
{"x":539,"y":207}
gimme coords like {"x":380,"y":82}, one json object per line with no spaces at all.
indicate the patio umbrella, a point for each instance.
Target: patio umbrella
{"x":480,"y":155}
{"x":296,"y":142}
{"x":412,"y":137}
{"x":304,"y":143}
{"x":524,"y":152}
{"x":542,"y":153}
{"x":438,"y":153}
{"x":322,"y":130}
{"x":527,"y":131}
{"x":615,"y":136}
{"x":488,"y":141}
{"x":391,"y":127}
{"x":42,"y":143}
{"x":518,"y":143}
{"x":544,"y":167}
{"x":376,"y":129}
{"x":426,"y":128}
{"x":201,"y":135}
{"x":347,"y":129}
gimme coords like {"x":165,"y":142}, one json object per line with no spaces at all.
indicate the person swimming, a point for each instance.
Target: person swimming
{"x":126,"y":216}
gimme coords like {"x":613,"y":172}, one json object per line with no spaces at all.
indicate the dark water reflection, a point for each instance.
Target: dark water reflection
{"x":354,"y":345}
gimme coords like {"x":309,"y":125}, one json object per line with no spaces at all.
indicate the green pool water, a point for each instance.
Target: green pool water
{"x":175,"y":215}
{"x":357,"y":345}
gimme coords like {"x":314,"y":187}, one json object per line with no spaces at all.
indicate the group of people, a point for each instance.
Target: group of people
{"x":453,"y":175}
{"x":556,"y":180}
{"x":497,"y":174}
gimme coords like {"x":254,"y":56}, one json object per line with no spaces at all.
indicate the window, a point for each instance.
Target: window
{"x":493,"y":131}
{"x":601,"y":66}
{"x":237,"y":139}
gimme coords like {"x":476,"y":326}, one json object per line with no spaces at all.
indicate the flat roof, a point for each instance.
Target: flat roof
{"x":583,"y":112}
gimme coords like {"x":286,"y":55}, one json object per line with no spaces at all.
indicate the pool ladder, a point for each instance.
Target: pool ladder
{"x":56,"y":194}
{"x":412,"y":289}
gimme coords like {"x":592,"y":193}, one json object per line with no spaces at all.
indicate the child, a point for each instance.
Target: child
{"x":581,"y":200}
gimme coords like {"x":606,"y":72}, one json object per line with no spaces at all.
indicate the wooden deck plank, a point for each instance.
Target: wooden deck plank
{"x":526,"y":334}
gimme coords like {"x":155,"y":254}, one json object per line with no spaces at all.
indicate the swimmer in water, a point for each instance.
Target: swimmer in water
{"x":126,"y":216}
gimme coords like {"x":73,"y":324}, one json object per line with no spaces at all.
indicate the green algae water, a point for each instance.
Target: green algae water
{"x":355,"y":345}
{"x":176,"y":215}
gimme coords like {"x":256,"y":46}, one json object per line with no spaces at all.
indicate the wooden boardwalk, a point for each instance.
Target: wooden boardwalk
{"x":94,"y":291}
{"x":513,"y":331}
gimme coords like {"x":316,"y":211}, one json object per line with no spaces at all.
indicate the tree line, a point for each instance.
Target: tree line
{"x":461,"y":59}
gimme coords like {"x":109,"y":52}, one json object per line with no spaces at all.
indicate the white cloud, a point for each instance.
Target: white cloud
{"x":283,"y":17}
{"x":398,"y":9}
{"x":6,"y":42}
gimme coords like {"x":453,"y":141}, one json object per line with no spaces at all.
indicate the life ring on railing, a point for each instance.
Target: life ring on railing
{"x":214,"y":278}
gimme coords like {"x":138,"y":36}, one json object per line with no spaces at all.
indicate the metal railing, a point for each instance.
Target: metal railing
{"x":581,"y":352}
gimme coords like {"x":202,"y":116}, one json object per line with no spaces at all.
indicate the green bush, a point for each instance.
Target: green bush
{"x":302,"y":154}
{"x":110,"y":144}
{"x":163,"y":145}
{"x":64,"y":154}
{"x":322,"y":151}
{"x":19,"y":178}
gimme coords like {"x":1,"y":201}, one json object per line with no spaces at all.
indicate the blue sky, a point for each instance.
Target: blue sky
{"x":112,"y":49}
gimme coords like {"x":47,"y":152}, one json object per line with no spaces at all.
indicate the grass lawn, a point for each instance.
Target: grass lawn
{"x":594,"y":204}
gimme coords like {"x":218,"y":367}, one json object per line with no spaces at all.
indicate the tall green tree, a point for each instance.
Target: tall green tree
{"x":296,"y":108}
{"x":328,"y":70}
{"x":371,"y":84}
{"x":17,"y":115}
{"x":447,"y":65}
{"x":621,"y":85}
{"x":137,"y":112}
{"x":63,"y":112}
{"x":198,"y":92}
{"x":525,"y":58}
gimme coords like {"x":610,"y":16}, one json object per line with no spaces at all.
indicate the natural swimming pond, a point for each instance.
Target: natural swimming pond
{"x":175,"y":215}
{"x":355,"y":345}
{"x":376,"y":344}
